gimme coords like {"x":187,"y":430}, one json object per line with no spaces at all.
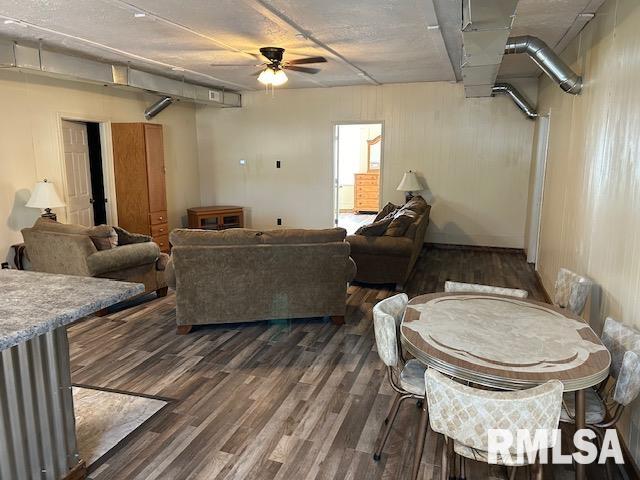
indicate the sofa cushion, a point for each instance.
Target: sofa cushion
{"x":376,"y":228}
{"x":127,"y":238}
{"x":382,"y":246}
{"x":416,"y":204}
{"x":400,"y":222}
{"x":245,"y":236}
{"x":294,"y":236}
{"x":386,"y":210}
{"x":48,"y":225}
{"x":104,"y":237}
{"x":232,"y":236}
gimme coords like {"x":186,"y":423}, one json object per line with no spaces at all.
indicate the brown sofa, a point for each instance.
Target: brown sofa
{"x":242,"y":275}
{"x":70,"y":249}
{"x":384,"y":259}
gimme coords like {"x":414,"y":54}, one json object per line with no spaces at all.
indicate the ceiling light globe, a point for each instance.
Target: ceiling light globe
{"x":266,"y":77}
{"x":279,"y":78}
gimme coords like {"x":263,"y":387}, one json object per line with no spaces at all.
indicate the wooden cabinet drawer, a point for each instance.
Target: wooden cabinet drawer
{"x":365,"y":182}
{"x":367,"y":176}
{"x":157,"y":218}
{"x":159,"y":230}
{"x":162,"y":241}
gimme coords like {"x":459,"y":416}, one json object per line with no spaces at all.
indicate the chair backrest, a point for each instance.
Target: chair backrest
{"x":466,"y":414}
{"x":476,"y":287}
{"x":572,"y":291}
{"x":623,"y":344}
{"x":387,"y":315}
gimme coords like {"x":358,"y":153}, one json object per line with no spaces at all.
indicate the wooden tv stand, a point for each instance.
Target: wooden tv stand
{"x":217,"y":217}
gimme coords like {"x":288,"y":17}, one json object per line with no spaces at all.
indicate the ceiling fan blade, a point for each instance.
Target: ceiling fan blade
{"x":233,"y":65}
{"x":300,"y":61}
{"x":301,"y":69}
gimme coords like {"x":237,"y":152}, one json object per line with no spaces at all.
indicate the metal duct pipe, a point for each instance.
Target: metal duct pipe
{"x":517,"y":97}
{"x":547,"y":60}
{"x":157,"y":107}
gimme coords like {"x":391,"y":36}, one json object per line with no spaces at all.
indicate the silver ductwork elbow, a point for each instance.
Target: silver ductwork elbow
{"x":157,"y":107}
{"x":547,"y":60}
{"x":517,"y":97}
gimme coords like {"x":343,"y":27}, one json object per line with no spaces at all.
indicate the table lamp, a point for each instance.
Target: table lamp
{"x":44,"y":195}
{"x":410,"y":183}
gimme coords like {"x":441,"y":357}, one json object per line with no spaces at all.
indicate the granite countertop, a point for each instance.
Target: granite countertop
{"x":33,"y":303}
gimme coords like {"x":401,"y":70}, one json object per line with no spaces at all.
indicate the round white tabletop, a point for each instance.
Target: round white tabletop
{"x":503,"y":342}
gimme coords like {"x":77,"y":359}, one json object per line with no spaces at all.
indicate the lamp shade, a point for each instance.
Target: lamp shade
{"x":410,"y":183}
{"x":44,"y":195}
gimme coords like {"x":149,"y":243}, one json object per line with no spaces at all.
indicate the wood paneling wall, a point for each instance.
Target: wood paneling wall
{"x":591,"y":208}
{"x":474,"y":156}
{"x":30,"y":142}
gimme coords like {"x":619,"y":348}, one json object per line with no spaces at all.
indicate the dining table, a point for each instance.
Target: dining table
{"x":505,"y":343}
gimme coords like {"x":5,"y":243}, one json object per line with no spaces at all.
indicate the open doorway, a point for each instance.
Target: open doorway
{"x":84,"y":173}
{"x":357,"y":173}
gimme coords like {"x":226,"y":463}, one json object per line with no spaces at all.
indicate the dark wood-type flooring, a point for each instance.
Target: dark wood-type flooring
{"x":272,"y":400}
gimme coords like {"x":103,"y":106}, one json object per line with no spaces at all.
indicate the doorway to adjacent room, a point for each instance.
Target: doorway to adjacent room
{"x":357,"y":173}
{"x":84,"y":173}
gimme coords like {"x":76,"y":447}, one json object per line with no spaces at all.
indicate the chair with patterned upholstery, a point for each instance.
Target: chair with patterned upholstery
{"x":406,"y":378}
{"x":572,"y":291}
{"x":476,"y":287}
{"x":464,"y":415}
{"x":604,"y":406}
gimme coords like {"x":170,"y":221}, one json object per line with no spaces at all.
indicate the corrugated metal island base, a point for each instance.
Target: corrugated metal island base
{"x":37,"y":423}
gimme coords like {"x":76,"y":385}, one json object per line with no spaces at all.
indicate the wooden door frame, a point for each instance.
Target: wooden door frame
{"x":335,"y":207}
{"x":106,"y":148}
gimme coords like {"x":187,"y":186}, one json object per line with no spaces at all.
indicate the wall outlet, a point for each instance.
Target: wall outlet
{"x":279,"y":221}
{"x":243,"y":162}
{"x":277,"y":163}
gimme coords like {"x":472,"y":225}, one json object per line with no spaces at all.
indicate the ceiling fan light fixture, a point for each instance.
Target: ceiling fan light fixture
{"x":279,"y":78}
{"x":267,"y":76}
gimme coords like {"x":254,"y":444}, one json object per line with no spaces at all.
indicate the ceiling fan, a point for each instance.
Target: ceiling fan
{"x":273,"y":71}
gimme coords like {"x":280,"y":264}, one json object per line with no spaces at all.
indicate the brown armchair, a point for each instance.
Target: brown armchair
{"x":72,"y":250}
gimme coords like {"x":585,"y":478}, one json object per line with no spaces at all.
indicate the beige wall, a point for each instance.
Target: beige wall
{"x":30,"y":142}
{"x":591,"y":208}
{"x":473,"y":153}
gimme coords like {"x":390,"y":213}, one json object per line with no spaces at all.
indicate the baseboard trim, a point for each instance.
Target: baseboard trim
{"x":477,"y":248}
{"x":547,"y":297}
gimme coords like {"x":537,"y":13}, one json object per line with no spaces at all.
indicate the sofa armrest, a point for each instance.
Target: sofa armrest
{"x":170,"y":274}
{"x":123,"y":257}
{"x":393,"y":246}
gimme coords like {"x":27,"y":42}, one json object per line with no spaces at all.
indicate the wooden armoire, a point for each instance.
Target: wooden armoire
{"x":138,"y":157}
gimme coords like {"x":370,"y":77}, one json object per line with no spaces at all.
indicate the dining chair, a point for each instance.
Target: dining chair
{"x":604,"y":406}
{"x":406,"y":378}
{"x":572,"y":291}
{"x":450,"y":286}
{"x":464,"y":415}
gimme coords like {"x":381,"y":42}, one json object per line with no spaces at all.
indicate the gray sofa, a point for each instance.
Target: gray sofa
{"x":384,"y":259}
{"x":70,"y":249}
{"x":242,"y":275}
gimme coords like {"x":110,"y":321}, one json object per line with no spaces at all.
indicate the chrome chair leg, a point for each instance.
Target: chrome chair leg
{"x":420,"y":437}
{"x":388,"y":422}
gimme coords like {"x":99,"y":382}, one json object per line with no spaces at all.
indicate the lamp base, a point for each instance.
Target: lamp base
{"x":408,"y":196}
{"x":49,"y":214}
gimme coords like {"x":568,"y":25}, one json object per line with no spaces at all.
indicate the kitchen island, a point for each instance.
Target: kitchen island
{"x":37,"y":423}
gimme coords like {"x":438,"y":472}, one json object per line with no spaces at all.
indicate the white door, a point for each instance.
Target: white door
{"x":76,"y":159}
{"x":538,"y":188}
